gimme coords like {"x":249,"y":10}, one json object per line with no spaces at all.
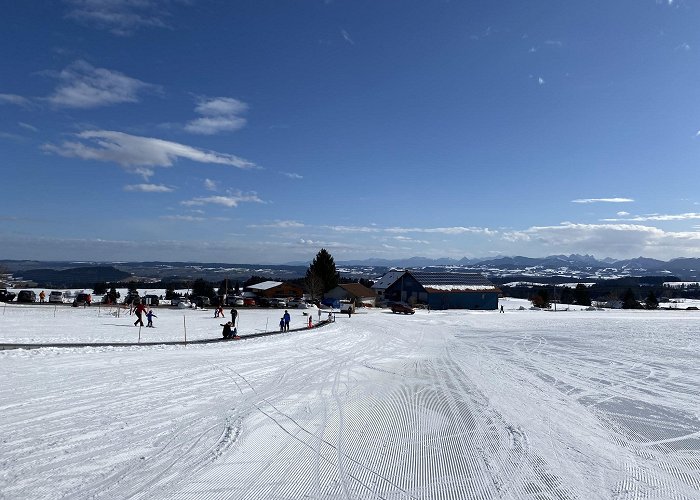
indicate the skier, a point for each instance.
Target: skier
{"x":41,"y":296}
{"x":282,"y":324}
{"x":150,"y":315}
{"x":226,"y":332}
{"x":311,"y":321}
{"x":234,"y":315}
{"x":286,"y":319}
{"x":139,"y":310}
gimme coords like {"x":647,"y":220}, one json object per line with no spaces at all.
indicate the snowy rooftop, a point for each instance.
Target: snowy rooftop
{"x":265,"y":285}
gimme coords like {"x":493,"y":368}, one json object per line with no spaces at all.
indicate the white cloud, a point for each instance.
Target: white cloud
{"x":148,"y":188}
{"x":352,"y":229}
{"x":220,"y":114}
{"x":603,"y":200}
{"x":28,"y":126}
{"x":138,"y":154}
{"x":283,"y":224}
{"x":185,"y":218}
{"x":657,"y":217}
{"x":292,"y":175}
{"x":121,"y":17}
{"x":230,"y":201}
{"x":622,"y":240}
{"x":210,"y":185}
{"x":347,"y":38}
{"x":15,"y":99}
{"x":441,"y":230}
{"x":84,"y":86}
{"x":622,"y":214}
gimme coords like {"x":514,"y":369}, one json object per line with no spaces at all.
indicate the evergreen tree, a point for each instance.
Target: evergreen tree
{"x":132,"y":286}
{"x":581,"y":296}
{"x":170,"y":291}
{"x":651,"y":302}
{"x":567,"y":296}
{"x":541,"y":299}
{"x":629,"y":301}
{"x":100,"y":288}
{"x":322,"y":275}
{"x":202,"y":287}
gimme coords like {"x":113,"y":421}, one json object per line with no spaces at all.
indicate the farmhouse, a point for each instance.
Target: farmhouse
{"x":444,"y":290}
{"x":385,"y":282}
{"x":355,"y":292}
{"x":272,"y":289}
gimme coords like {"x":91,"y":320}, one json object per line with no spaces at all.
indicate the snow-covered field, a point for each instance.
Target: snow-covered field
{"x":454,"y":404}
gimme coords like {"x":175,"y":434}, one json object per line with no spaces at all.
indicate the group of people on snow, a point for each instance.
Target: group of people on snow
{"x":140,"y":310}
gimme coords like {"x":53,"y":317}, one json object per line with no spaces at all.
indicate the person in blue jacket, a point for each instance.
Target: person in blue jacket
{"x":287,"y":319}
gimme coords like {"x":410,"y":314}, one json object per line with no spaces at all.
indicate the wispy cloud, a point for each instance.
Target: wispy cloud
{"x":230,"y":201}
{"x":281,"y":224}
{"x":219,"y":114}
{"x":353,"y":229}
{"x":656,"y":217}
{"x":139,"y":154}
{"x":184,"y":218}
{"x":609,"y":239}
{"x":148,"y":188}
{"x":83,"y":86}
{"x":120,"y":17}
{"x":347,"y":38}
{"x":441,"y":230}
{"x":28,"y":126}
{"x":603,"y":200}
{"x":292,"y":175}
{"x":210,"y":185}
{"x":15,"y":99}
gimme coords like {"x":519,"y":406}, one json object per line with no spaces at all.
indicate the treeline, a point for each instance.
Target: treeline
{"x":629,"y":291}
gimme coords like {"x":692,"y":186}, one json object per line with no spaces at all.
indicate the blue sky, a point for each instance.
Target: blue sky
{"x":259,"y":132}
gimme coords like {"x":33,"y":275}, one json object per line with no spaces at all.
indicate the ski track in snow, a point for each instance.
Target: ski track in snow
{"x":439,"y":405}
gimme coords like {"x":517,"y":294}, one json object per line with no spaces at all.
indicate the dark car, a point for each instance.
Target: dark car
{"x":26,"y":296}
{"x":202,"y":301}
{"x":400,"y":307}
{"x":82,"y":299}
{"x":6,"y":296}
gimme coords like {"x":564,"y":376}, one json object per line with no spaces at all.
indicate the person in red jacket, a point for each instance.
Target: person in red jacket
{"x":139,"y":310}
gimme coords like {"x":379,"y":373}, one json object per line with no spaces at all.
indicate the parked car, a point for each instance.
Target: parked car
{"x":26,"y":296}
{"x":248,"y":301}
{"x":239,"y":302}
{"x":231,"y":300}
{"x":281,"y":303}
{"x":263,"y":302}
{"x":201,"y":301}
{"x":56,"y":297}
{"x":400,"y":307}
{"x":82,"y":299}
{"x":151,"y":300}
{"x":6,"y":295}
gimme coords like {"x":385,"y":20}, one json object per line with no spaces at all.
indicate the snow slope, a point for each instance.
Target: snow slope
{"x":454,"y":404}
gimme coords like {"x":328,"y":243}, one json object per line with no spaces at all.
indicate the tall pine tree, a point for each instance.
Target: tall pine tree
{"x":322,"y":275}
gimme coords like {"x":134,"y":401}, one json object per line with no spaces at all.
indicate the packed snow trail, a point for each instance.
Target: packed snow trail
{"x":440,"y":405}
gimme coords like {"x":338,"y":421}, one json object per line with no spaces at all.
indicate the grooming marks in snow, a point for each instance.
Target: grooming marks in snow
{"x":439,"y":405}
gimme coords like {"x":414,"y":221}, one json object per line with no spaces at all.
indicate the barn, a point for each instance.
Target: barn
{"x":444,"y":290}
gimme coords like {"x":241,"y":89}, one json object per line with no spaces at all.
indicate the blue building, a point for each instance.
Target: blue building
{"x":444,"y":290}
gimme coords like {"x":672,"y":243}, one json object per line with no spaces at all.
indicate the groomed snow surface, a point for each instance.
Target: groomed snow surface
{"x":453,"y":404}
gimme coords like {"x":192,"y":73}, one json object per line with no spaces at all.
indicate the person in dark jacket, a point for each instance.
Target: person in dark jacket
{"x":286,"y":319}
{"x":150,"y":315}
{"x":226,"y":332}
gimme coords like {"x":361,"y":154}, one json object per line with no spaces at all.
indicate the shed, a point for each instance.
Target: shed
{"x":444,"y":290}
{"x":353,"y":291}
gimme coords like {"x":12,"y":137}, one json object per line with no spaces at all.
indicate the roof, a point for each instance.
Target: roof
{"x":358,"y":290}
{"x":453,"y":282}
{"x":387,"y":280}
{"x":265,"y":285}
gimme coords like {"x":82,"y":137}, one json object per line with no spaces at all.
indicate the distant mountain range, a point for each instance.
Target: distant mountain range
{"x":558,"y":267}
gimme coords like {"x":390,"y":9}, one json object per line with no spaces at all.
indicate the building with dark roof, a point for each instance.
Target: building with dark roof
{"x":444,"y":290}
{"x":352,"y":291}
